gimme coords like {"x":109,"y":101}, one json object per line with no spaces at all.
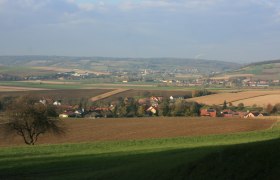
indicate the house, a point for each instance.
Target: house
{"x":46,"y":101}
{"x":43,"y":101}
{"x":79,"y":112}
{"x":175,"y":97}
{"x":63,"y":115}
{"x":67,"y":114}
{"x":152,"y":109}
{"x":253,"y":115}
{"x":154,"y":101}
{"x":208,"y":112}
{"x":229,"y":113}
{"x":144,"y":101}
{"x":57,"y":103}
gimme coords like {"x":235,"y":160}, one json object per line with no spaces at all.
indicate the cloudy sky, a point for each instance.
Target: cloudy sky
{"x":229,"y":30}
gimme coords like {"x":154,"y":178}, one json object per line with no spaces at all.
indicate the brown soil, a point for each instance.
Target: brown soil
{"x":61,"y":94}
{"x":50,"y":82}
{"x":87,"y":130}
{"x":147,"y":93}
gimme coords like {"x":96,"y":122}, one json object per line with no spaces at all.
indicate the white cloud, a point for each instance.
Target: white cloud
{"x":169,"y":4}
{"x":87,"y":6}
{"x":271,"y":4}
{"x":33,"y":4}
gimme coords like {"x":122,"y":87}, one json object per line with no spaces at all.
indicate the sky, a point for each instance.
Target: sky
{"x":228,"y":30}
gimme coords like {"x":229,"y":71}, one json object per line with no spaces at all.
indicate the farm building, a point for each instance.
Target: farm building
{"x":152,"y":109}
{"x":67,"y":114}
{"x":230,"y":113}
{"x":253,"y":115}
{"x":208,"y":112}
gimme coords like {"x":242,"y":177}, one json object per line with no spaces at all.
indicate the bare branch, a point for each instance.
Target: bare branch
{"x":30,"y":119}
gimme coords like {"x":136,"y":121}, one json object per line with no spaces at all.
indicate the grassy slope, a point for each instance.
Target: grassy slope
{"x":258,"y":160}
{"x":146,"y":159}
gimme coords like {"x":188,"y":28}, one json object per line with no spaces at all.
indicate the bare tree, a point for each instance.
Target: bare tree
{"x":29,"y":119}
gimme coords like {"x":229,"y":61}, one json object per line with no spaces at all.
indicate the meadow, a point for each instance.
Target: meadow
{"x":164,"y":158}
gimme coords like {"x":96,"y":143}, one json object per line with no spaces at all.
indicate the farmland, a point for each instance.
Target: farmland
{"x":60,"y":94}
{"x":250,"y":97}
{"x":24,"y":70}
{"x":164,"y":158}
{"x":13,"y":89}
{"x":106,"y":94}
{"x":89,"y":130}
{"x":261,"y":101}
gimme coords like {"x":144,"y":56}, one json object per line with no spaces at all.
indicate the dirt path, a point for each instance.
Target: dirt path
{"x":108,"y":94}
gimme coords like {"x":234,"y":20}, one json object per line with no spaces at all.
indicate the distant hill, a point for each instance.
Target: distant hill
{"x":263,"y":62}
{"x":265,"y":70}
{"x":115,"y":64}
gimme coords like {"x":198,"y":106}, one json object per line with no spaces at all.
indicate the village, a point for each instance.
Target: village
{"x":155,"y":106}
{"x":159,"y":78}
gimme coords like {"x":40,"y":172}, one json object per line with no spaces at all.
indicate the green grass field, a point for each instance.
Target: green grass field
{"x":173,"y":158}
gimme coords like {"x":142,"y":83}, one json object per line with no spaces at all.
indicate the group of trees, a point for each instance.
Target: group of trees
{"x":201,"y":92}
{"x":273,"y":109}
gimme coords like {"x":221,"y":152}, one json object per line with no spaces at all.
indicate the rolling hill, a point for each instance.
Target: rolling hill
{"x":265,"y":70}
{"x":105,"y":64}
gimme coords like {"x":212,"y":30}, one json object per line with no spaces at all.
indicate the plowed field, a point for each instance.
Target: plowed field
{"x":86,"y":130}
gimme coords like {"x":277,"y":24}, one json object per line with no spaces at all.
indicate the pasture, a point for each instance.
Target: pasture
{"x":164,"y":158}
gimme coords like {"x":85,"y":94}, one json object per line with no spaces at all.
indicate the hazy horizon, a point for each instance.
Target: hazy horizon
{"x":242,"y":31}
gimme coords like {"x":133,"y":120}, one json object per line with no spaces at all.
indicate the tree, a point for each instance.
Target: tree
{"x":179,"y":108}
{"x":194,"y":108}
{"x":276,"y":108}
{"x":269,"y":108}
{"x":225,"y":104}
{"x":120,"y":110}
{"x":164,"y":108}
{"x":29,"y":119}
{"x":141,"y":111}
{"x":240,"y":106}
